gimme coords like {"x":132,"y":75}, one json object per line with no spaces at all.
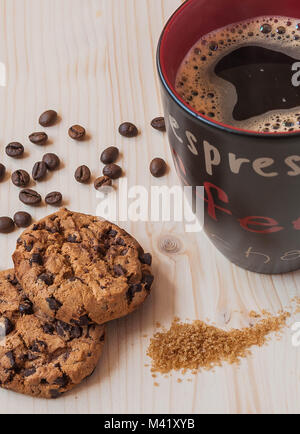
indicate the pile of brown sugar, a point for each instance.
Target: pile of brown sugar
{"x":201,"y":346}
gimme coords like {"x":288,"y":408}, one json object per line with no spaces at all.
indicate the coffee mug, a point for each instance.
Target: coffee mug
{"x":251,"y":180}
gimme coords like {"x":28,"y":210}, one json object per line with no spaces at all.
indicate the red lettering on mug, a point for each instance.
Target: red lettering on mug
{"x":210,"y":200}
{"x":260,"y":221}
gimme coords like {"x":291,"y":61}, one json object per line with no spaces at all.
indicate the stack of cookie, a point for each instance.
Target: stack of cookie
{"x":73,"y":273}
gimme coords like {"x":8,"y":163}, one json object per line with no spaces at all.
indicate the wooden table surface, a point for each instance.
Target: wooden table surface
{"x":94,"y":61}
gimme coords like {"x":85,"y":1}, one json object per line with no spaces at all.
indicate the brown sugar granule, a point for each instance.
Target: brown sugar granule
{"x":199,"y":345}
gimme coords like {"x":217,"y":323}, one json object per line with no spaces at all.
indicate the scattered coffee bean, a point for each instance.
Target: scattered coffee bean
{"x":48,"y":118}
{"x":52,"y":161}
{"x":112,"y":171}
{"x":20,"y":178}
{"x":22,"y":219}
{"x":128,"y":130}
{"x":77,"y":132}
{"x":159,"y":124}
{"x":38,"y":138}
{"x":54,"y":198}
{"x":2,"y":172}
{"x":83,"y":174}
{"x":158,"y":167}
{"x":30,"y":197}
{"x":39,"y":171}
{"x":14,"y":150}
{"x":6,"y":225}
{"x":104,"y":181}
{"x":110,"y":155}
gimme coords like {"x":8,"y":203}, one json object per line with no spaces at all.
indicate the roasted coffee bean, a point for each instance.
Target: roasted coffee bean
{"x":22,"y":219}
{"x":112,"y":171}
{"x":77,"y":132}
{"x":159,"y":124}
{"x":39,"y":171}
{"x":128,"y":130}
{"x":110,"y":155}
{"x":158,"y":167}
{"x":102,"y":182}
{"x":48,"y":118}
{"x":6,"y":225}
{"x":2,"y":172}
{"x":20,"y":178}
{"x":83,"y":174}
{"x":54,"y":198}
{"x":14,"y":150}
{"x":30,"y":197}
{"x":38,"y":138}
{"x":52,"y":161}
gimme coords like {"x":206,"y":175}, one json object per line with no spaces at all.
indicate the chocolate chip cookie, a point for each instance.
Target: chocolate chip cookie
{"x":81,"y":270}
{"x":41,"y":356}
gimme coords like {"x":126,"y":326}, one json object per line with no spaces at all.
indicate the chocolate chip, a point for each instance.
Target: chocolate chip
{"x":112,"y":233}
{"x":47,"y":278}
{"x":54,"y":304}
{"x":133,"y":289}
{"x":36,"y":258}
{"x":54,"y":393}
{"x":121,"y":242}
{"x":28,"y":247}
{"x":38,"y":138}
{"x":158,"y":167}
{"x":12,"y":280}
{"x":119,"y":270}
{"x":7,"y":225}
{"x":159,"y":124}
{"x":72,"y":239}
{"x":52,"y":161}
{"x":102,"y":182}
{"x":22,"y":219}
{"x":77,"y":132}
{"x":26,"y":307}
{"x":62,"y":381}
{"x":54,"y":199}
{"x":6,"y":326}
{"x":146,"y":258}
{"x":29,"y":372}
{"x":30,"y":197}
{"x":14,"y":150}
{"x":2,"y":172}
{"x":83,"y":321}
{"x":110,"y":155}
{"x":128,"y":129}
{"x":38,"y":347}
{"x":48,"y":118}
{"x":20,"y":178}
{"x":112,"y":171}
{"x":83,"y":174}
{"x":148,"y":280}
{"x":11,"y":358}
{"x":48,"y":329}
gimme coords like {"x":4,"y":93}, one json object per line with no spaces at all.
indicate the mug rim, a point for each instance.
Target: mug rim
{"x":194,"y":113}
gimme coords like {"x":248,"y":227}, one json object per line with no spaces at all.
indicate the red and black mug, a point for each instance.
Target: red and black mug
{"x":252,"y":210}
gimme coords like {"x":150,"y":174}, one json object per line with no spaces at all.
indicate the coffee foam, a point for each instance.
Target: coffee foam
{"x":214,"y":97}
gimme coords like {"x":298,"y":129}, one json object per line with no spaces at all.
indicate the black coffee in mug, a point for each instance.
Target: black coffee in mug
{"x":245,"y":75}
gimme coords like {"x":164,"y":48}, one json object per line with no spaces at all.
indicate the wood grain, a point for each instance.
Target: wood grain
{"x":94,"y":61}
